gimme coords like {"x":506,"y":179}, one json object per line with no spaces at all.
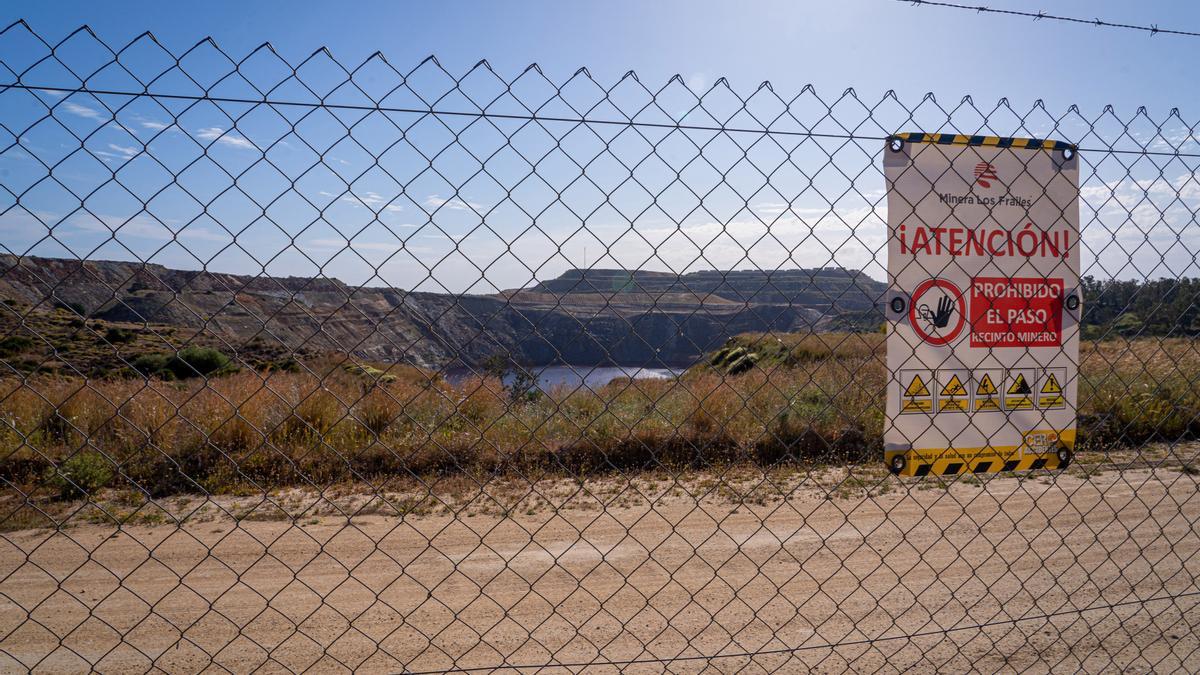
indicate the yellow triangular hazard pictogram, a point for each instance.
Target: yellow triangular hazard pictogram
{"x":1019,"y":386}
{"x":1051,"y":386}
{"x":916,"y":387}
{"x":985,"y":385}
{"x":954,"y":387}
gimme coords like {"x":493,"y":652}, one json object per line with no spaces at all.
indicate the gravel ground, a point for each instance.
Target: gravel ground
{"x":1076,"y":571}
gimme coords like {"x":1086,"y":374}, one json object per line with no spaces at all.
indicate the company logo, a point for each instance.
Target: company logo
{"x":984,"y":174}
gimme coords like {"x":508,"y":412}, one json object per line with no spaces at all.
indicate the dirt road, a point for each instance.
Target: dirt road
{"x":1057,"y":573}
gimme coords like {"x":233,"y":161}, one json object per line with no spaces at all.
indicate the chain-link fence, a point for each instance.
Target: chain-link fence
{"x":387,"y":367}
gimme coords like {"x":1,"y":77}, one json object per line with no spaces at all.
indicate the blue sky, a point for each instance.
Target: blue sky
{"x":386,"y":222}
{"x":871,"y":45}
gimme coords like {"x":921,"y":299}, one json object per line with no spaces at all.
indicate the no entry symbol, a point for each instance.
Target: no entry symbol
{"x":937,"y":312}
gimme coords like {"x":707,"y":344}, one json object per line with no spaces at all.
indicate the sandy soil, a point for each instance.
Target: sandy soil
{"x":1091,"y":571}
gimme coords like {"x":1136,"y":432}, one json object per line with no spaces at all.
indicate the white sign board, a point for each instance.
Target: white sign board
{"x":983,"y":304}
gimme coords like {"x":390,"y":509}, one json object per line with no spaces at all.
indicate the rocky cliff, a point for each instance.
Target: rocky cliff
{"x":585,"y":317}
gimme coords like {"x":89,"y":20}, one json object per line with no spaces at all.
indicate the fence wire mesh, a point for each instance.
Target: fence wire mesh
{"x":327,"y":366}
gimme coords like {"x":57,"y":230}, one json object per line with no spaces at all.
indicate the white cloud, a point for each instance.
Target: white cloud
{"x":155,"y":125}
{"x":1139,"y":227}
{"x":83,"y":111}
{"x":113,"y":124}
{"x":219,"y":135}
{"x":372,"y":200}
{"x":443,"y":236}
{"x":1171,"y":139}
{"x":436,"y":202}
{"x":769,"y":208}
{"x":337,"y":244}
{"x":204,"y":234}
{"x":368,"y":198}
{"x":145,"y":227}
{"x":853,"y":238}
{"x":1183,"y":184}
{"x":124,"y":151}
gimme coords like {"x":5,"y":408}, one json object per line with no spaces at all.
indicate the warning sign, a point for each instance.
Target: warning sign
{"x":983,"y":303}
{"x":952,"y":393}
{"x":1050,"y":393}
{"x":916,"y":387}
{"x":1019,"y":392}
{"x":1016,"y":312}
{"x":936,"y":311}
{"x":916,"y":394}
{"x":987,"y":395}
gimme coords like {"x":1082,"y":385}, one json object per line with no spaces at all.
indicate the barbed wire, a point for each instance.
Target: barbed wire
{"x":1152,"y":29}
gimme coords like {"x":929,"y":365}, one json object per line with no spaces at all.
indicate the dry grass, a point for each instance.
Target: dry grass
{"x":815,"y":399}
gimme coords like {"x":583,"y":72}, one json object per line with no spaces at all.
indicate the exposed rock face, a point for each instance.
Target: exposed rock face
{"x":832,"y":287}
{"x":584,"y":317}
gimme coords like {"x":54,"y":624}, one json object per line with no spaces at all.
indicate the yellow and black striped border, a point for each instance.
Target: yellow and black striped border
{"x":953,"y":466}
{"x":987,"y":141}
{"x":990,"y":459}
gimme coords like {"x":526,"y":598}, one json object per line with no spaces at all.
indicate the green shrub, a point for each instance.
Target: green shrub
{"x":1127,"y":324}
{"x":15,"y":344}
{"x":70,"y":307}
{"x":520,"y":382}
{"x":199,"y":361}
{"x":288,"y":365}
{"x":80,"y":475}
{"x":149,"y":365}
{"x":187,"y":362}
{"x":116,"y":335}
{"x":370,"y":372}
{"x":741,"y":364}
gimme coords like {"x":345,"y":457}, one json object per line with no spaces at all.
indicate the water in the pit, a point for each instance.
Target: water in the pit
{"x":573,"y":377}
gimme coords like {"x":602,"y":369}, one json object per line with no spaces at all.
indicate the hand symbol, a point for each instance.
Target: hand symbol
{"x":944,"y":309}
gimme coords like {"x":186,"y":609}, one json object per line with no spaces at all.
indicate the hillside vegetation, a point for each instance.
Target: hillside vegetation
{"x":1141,"y":308}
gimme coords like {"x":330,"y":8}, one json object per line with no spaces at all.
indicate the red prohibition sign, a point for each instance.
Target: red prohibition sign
{"x":960,"y":309}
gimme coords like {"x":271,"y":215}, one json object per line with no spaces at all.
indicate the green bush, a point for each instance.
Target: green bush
{"x":187,"y":362}
{"x":1128,"y":324}
{"x":14,"y":344}
{"x":149,"y":365}
{"x":520,"y":382}
{"x":116,"y":335}
{"x":370,"y":372}
{"x":199,"y":361}
{"x":288,"y":365}
{"x":70,"y":307}
{"x":80,"y":475}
